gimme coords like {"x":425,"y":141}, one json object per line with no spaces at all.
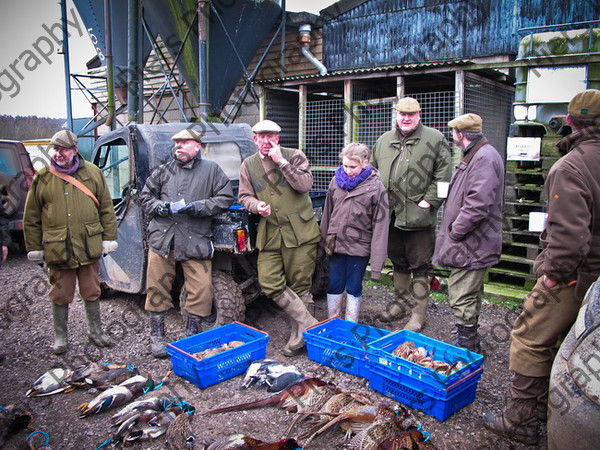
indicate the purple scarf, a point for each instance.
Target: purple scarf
{"x":345,"y":182}
{"x":69,"y":171}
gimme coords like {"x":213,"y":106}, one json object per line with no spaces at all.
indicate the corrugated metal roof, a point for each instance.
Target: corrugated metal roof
{"x":367,"y":70}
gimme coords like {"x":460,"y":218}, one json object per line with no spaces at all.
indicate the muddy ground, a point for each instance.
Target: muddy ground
{"x":26,"y":336}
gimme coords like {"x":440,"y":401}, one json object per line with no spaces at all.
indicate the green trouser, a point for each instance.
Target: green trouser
{"x":287,"y":267}
{"x":465,"y":291}
{"x":547,"y":316}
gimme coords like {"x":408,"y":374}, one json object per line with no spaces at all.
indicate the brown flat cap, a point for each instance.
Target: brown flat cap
{"x":64,"y":138}
{"x":408,"y":105}
{"x":187,"y":135}
{"x":585,"y":104}
{"x":266,"y":126}
{"x":470,"y":123}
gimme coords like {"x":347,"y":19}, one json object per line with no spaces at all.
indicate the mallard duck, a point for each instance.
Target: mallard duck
{"x":179,"y":435}
{"x":52,"y":382}
{"x":116,"y":396}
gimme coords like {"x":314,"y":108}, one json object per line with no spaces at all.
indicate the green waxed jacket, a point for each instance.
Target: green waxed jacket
{"x":410,"y":169}
{"x":64,"y":222}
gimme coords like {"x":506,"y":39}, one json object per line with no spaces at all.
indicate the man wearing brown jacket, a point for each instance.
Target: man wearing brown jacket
{"x":568,"y":264}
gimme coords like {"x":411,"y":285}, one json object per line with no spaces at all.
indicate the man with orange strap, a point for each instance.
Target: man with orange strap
{"x":69,"y":223}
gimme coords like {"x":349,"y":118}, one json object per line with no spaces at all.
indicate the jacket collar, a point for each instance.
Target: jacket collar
{"x":413,"y":136}
{"x":573,"y":140}
{"x":472,"y":149}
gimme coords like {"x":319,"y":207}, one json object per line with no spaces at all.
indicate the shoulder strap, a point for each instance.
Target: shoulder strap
{"x":78,"y":184}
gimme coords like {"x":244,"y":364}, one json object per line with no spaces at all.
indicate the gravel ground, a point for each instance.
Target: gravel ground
{"x":26,"y":333}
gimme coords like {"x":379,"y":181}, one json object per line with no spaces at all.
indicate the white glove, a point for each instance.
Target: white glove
{"x":36,"y":255}
{"x":109,"y":247}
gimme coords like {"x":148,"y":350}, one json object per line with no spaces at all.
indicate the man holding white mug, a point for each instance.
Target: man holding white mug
{"x":470,"y":235}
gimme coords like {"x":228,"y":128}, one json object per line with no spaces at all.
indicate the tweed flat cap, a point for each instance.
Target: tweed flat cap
{"x":585,"y":104}
{"x":266,"y":126}
{"x":471,"y":123}
{"x":187,"y":135}
{"x":408,"y":105}
{"x":64,"y":138}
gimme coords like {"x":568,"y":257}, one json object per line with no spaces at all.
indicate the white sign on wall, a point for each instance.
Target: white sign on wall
{"x":523,"y":148}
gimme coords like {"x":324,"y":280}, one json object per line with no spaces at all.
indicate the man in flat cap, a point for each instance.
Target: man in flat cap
{"x":470,"y":234}
{"x":180,"y":197}
{"x":412,"y":159}
{"x":69,"y":223}
{"x":567,"y":266}
{"x":275,"y":183}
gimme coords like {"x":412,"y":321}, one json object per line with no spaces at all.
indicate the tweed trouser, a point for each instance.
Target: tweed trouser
{"x":547,"y":316}
{"x":62,"y":283}
{"x":411,"y":251}
{"x":198,"y":284}
{"x":293,"y":267}
{"x":465,"y":292}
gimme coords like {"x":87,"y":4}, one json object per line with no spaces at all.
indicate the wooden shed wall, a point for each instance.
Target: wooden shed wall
{"x":384,"y":32}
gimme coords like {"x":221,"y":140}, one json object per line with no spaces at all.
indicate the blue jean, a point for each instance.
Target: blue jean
{"x":346,"y":272}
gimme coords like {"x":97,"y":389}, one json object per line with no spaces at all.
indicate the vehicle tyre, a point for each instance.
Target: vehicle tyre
{"x":320,"y":278}
{"x":9,"y":195}
{"x":228,"y":303}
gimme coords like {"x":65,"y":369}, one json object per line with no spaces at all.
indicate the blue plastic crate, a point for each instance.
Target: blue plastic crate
{"x":421,"y":387}
{"x":342,"y":344}
{"x":222,"y":366}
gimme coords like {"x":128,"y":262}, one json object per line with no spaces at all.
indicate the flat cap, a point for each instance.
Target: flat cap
{"x":408,"y":105}
{"x":187,"y":135}
{"x":585,"y":104}
{"x":64,"y":138}
{"x":266,"y":126}
{"x":471,"y":123}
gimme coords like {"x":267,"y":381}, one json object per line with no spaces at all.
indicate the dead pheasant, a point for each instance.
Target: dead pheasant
{"x":240,"y":441}
{"x":383,"y":427}
{"x":359,"y":419}
{"x":314,"y":401}
{"x":339,"y":403}
{"x":287,"y":399}
{"x":411,"y":439}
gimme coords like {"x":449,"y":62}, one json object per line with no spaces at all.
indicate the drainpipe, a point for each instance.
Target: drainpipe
{"x":203,"y":58}
{"x":110,"y":82}
{"x":63,"y":13}
{"x":133,"y":66}
{"x":305,"y":41}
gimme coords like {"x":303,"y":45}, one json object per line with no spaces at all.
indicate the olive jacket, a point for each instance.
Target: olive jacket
{"x":197,"y":181}
{"x":410,"y":168}
{"x":571,"y":240}
{"x":64,"y":222}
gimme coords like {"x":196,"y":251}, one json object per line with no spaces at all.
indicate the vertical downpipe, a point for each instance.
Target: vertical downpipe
{"x":110,"y":82}
{"x":63,"y":13}
{"x":203,"y":58}
{"x":133,"y":65}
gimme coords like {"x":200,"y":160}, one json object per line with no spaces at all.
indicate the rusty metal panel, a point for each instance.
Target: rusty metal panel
{"x":383,"y":32}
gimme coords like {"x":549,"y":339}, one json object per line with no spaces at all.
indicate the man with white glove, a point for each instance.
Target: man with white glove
{"x":69,"y":223}
{"x":180,"y":198}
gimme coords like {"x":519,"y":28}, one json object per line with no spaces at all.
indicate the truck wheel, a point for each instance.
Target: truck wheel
{"x":228,"y":303}
{"x":10,"y":196}
{"x":320,"y":278}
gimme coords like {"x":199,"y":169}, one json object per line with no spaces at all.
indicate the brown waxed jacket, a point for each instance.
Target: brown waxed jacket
{"x":571,"y":240}
{"x":360,"y":220}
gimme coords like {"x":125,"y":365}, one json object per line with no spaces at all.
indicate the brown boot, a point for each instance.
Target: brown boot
{"x":520,"y":418}
{"x":289,"y":301}
{"x":421,"y":288}
{"x":399,"y":307}
{"x":518,"y":422}
{"x":468,"y":338}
